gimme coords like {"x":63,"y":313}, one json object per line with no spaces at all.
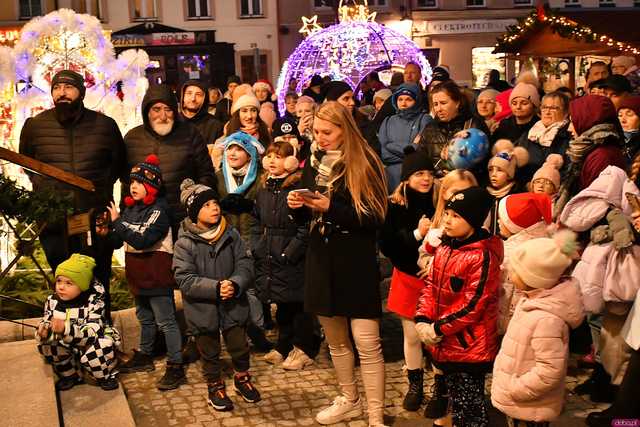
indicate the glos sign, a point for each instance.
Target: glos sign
{"x":154,"y":39}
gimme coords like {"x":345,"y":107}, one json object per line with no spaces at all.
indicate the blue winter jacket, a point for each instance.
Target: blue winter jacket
{"x":399,"y":131}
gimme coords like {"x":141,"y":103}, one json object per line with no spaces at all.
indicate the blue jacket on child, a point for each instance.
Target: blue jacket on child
{"x":399,"y":131}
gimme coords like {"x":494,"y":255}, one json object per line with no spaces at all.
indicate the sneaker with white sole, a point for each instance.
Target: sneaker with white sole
{"x":340,"y":410}
{"x":274,"y":357}
{"x":297,"y":360}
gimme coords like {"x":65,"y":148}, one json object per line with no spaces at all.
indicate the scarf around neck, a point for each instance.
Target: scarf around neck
{"x":582,"y":145}
{"x":499,"y":193}
{"x":323,"y":162}
{"x":211,"y":235}
{"x":251,"y":130}
{"x":544,"y":135}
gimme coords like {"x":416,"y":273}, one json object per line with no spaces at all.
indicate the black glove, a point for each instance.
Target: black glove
{"x":236,"y":204}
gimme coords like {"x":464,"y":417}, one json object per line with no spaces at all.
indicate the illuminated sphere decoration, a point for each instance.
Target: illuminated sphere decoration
{"x":349,"y":51}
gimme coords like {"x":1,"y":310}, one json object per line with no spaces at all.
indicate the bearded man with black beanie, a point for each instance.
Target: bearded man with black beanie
{"x":86,"y":143}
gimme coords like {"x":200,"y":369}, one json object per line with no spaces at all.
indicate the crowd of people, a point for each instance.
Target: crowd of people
{"x":508,"y":254}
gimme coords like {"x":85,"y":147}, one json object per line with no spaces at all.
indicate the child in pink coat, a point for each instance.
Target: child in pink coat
{"x":529,"y":372}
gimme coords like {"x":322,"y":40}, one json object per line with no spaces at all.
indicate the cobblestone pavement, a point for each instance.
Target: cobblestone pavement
{"x":293,"y":398}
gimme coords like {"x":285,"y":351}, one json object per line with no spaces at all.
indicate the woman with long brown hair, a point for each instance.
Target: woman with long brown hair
{"x":344,"y":197}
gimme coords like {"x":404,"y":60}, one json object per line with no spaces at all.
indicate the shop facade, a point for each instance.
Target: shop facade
{"x":178,"y":55}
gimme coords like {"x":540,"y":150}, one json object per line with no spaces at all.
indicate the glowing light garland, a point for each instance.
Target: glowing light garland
{"x":565,"y":27}
{"x":348,"y":51}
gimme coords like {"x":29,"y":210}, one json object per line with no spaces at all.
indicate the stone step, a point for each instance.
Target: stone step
{"x":85,"y":405}
{"x":27,"y":395}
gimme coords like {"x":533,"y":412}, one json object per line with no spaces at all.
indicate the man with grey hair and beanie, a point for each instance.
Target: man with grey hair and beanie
{"x":86,"y":143}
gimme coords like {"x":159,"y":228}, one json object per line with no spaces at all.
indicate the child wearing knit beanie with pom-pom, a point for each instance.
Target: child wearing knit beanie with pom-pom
{"x":144,"y":227}
{"x":529,"y":372}
{"x":546,"y":180}
{"x":502,"y":176}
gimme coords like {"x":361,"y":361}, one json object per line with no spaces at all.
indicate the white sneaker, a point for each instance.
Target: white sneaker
{"x":274,"y":357}
{"x":340,"y":410}
{"x":297,"y":360}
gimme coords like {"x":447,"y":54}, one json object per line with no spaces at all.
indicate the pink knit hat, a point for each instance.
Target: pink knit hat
{"x":304,"y":99}
{"x":507,"y":157}
{"x":550,"y":170}
{"x":527,"y":91}
{"x":541,"y":262}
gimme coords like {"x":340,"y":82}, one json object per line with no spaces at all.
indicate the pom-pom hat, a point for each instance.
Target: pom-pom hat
{"x":193,"y":196}
{"x":149,"y":174}
{"x":550,"y":169}
{"x":507,"y":157}
{"x":520,"y":211}
{"x":541,"y":262}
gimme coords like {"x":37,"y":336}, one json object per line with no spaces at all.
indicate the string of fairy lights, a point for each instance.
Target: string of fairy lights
{"x":563,"y":26}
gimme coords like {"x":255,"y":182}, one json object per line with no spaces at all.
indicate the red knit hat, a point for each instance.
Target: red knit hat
{"x":632,"y":103}
{"x":149,"y":174}
{"x":520,"y":211}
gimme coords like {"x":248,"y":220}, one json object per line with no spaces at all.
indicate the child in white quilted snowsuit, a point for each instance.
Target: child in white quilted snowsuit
{"x":72,"y":335}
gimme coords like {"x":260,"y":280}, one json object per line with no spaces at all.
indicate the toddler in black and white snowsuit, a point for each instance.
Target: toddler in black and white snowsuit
{"x":72,"y":334}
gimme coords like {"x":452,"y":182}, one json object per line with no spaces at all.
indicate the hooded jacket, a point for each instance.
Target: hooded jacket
{"x":399,"y":131}
{"x":182,"y":152}
{"x":461,"y":298}
{"x":199,"y":266}
{"x":604,"y":272}
{"x":529,"y":371}
{"x":210,"y":128}
{"x":90,"y":147}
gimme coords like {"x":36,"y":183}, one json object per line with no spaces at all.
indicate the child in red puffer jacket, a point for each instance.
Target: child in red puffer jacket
{"x":458,"y":308}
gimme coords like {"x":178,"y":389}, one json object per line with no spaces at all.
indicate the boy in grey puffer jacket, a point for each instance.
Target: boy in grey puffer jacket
{"x":214,"y":269}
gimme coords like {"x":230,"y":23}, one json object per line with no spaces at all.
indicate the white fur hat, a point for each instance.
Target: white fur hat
{"x":247,"y":100}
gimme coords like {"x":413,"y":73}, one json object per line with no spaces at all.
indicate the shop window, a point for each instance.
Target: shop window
{"x":248,"y":68}
{"x":251,"y":8}
{"x":30,"y":8}
{"x":92,"y":7}
{"x":196,"y":67}
{"x":518,"y":3}
{"x":198,"y":9}
{"x":475,"y":3}
{"x":607,"y":3}
{"x":325,"y":4}
{"x":427,"y":4}
{"x":484,"y":60}
{"x":145,"y":10}
{"x":572,"y":3}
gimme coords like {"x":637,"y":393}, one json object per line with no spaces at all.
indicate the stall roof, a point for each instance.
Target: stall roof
{"x":570,"y":33}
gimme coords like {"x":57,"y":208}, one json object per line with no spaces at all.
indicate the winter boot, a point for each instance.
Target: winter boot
{"x":140,"y":362}
{"x":415,"y":394}
{"x":190,"y":353}
{"x":439,"y":402}
{"x":243,"y":386}
{"x":173,"y":377}
{"x":218,"y":397}
{"x":65,"y":383}
{"x":598,"y":386}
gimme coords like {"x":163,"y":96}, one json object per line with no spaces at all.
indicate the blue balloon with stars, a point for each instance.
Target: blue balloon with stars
{"x":465,"y":153}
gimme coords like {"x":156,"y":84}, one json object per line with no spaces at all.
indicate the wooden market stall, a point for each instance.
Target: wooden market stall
{"x":571,"y":33}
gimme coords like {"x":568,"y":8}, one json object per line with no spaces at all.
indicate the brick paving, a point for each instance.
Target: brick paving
{"x":293,"y":398}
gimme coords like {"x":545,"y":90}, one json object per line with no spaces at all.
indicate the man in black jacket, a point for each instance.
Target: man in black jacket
{"x":195,"y":110}
{"x":177,"y":143}
{"x":85,"y":143}
{"x":223,"y":107}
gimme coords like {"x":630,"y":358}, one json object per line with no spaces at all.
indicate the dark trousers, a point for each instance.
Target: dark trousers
{"x":235,"y":339}
{"x":296,"y":328}
{"x":58,"y":247}
{"x":466,"y":392}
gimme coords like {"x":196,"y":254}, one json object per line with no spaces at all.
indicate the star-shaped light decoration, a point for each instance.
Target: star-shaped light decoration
{"x":309,"y":26}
